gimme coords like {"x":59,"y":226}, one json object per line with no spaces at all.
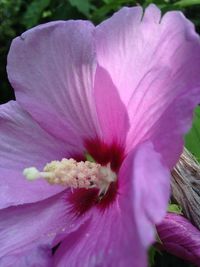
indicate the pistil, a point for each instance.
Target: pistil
{"x":73,"y":174}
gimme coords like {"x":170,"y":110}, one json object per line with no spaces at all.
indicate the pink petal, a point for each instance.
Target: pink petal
{"x":24,"y":144}
{"x":180,"y":238}
{"x":38,"y":223}
{"x":51,"y":68}
{"x":155,"y":64}
{"x":109,"y":239}
{"x":120,"y":234}
{"x":147,"y":182}
{"x":111,"y":111}
{"x":33,"y":255}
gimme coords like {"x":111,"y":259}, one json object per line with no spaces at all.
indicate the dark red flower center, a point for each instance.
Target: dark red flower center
{"x":83,"y":199}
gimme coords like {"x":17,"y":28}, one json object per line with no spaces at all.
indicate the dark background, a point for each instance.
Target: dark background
{"x":16,"y":16}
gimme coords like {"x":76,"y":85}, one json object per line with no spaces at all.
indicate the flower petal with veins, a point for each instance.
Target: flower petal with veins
{"x":122,"y":92}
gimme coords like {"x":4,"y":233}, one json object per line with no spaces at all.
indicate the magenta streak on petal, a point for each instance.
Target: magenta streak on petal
{"x":111,"y":111}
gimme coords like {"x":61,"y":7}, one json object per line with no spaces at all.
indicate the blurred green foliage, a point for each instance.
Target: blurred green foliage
{"x":192,"y":139}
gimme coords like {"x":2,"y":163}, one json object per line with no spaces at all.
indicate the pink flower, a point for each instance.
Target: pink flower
{"x":180,"y":238}
{"x":122,"y":92}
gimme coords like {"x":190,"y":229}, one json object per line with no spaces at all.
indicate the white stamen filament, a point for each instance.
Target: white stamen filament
{"x":73,"y":174}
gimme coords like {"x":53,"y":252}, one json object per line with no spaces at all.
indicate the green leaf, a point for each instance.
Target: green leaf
{"x":157,"y":2}
{"x":186,"y":3}
{"x":89,"y":157}
{"x":107,"y":1}
{"x":33,"y":12}
{"x":151,"y":255}
{"x":82,"y":6}
{"x":110,"y":6}
{"x":174,"y":208}
{"x":192,"y":139}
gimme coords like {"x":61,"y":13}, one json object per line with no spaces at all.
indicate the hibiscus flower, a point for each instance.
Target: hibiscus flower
{"x":120,"y":94}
